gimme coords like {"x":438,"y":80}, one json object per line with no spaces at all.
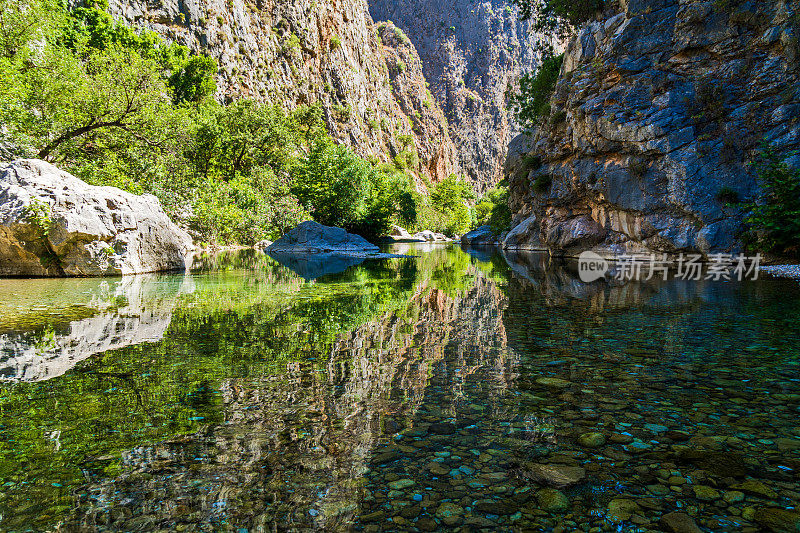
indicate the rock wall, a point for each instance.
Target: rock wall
{"x":472,"y":53}
{"x":305,"y":52}
{"x":659,"y":109}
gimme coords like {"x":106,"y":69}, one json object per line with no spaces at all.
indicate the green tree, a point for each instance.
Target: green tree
{"x":450,"y":200}
{"x":493,"y":210}
{"x":194,"y":81}
{"x":334,"y":184}
{"x":774,"y":218}
{"x":231,"y":141}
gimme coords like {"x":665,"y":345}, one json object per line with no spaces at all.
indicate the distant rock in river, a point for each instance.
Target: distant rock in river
{"x":313,"y":237}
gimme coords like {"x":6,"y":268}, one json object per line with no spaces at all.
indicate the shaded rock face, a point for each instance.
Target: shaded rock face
{"x":480,"y":235}
{"x":306,"y":52}
{"x":472,"y":53}
{"x":660,"y":106}
{"x":313,"y":237}
{"x":83,"y":230}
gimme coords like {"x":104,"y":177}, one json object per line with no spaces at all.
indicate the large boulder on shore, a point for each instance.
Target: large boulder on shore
{"x":313,"y":237}
{"x":480,"y":235}
{"x":54,"y":224}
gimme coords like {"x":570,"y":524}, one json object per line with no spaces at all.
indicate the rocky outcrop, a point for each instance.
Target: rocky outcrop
{"x":472,"y":54}
{"x":434,"y":149}
{"x":658,"y":111}
{"x":53,"y":224}
{"x":307,"y":52}
{"x":480,"y":235}
{"x":313,"y":237}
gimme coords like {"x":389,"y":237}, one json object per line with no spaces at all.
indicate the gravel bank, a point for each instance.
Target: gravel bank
{"x":783,"y":271}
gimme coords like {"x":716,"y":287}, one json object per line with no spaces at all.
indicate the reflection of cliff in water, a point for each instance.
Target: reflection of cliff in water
{"x":293,"y":449}
{"x":47,"y":326}
{"x":553,"y":311}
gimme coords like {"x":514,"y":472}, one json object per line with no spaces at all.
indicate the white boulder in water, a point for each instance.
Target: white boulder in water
{"x":54,"y":224}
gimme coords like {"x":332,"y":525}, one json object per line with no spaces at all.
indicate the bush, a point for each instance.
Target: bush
{"x":727,"y":195}
{"x":774,"y":219}
{"x":558,"y":15}
{"x":493,"y":210}
{"x":708,"y":106}
{"x":532,"y":162}
{"x":533,"y":99}
{"x":246,"y":210}
{"x":542,"y":183}
{"x":194,"y":80}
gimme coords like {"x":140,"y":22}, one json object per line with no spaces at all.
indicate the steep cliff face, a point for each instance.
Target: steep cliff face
{"x":658,"y":111}
{"x":305,"y":52}
{"x":471,"y":52}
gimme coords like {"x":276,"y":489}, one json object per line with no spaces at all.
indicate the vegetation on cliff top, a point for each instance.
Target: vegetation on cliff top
{"x":533,"y":100}
{"x":557,"y":17}
{"x":117,"y":106}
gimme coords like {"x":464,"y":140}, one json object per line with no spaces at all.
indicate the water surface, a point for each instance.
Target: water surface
{"x":452,"y":390}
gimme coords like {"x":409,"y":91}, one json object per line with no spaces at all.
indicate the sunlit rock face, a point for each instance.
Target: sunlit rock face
{"x":298,"y":447}
{"x":54,"y":224}
{"x":472,"y":55}
{"x":658,"y":112}
{"x":310,"y":52}
{"x":108,"y":315}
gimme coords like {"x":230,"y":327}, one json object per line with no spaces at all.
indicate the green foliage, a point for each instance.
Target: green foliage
{"x":336,"y":42}
{"x":447,"y":210}
{"x":532,"y":162}
{"x":533,"y":99}
{"x":557,"y":16}
{"x":194,"y":81}
{"x":727,"y":195}
{"x":542,"y":183}
{"x":246,"y":209}
{"x":84,"y":90}
{"x":493,"y":210}
{"x":234,"y":140}
{"x":341,"y":189}
{"x":774,"y":219}
{"x":38,"y":214}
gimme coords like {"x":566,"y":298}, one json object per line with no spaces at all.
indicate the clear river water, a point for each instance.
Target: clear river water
{"x":457,"y":390}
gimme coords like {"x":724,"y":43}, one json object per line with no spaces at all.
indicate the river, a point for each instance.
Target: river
{"x":453,"y":389}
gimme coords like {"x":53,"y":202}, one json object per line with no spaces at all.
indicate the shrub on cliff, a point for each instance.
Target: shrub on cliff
{"x":557,"y":15}
{"x":774,"y":218}
{"x":533,"y":99}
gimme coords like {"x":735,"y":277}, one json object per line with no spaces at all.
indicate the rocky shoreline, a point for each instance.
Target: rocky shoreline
{"x":783,"y":271}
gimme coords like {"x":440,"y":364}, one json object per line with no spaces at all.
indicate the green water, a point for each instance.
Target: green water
{"x":448,"y":391}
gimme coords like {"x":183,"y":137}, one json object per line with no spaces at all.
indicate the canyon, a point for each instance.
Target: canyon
{"x":658,"y":113}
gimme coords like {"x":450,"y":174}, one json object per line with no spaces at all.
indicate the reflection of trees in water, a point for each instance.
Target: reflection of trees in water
{"x":292,"y":449}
